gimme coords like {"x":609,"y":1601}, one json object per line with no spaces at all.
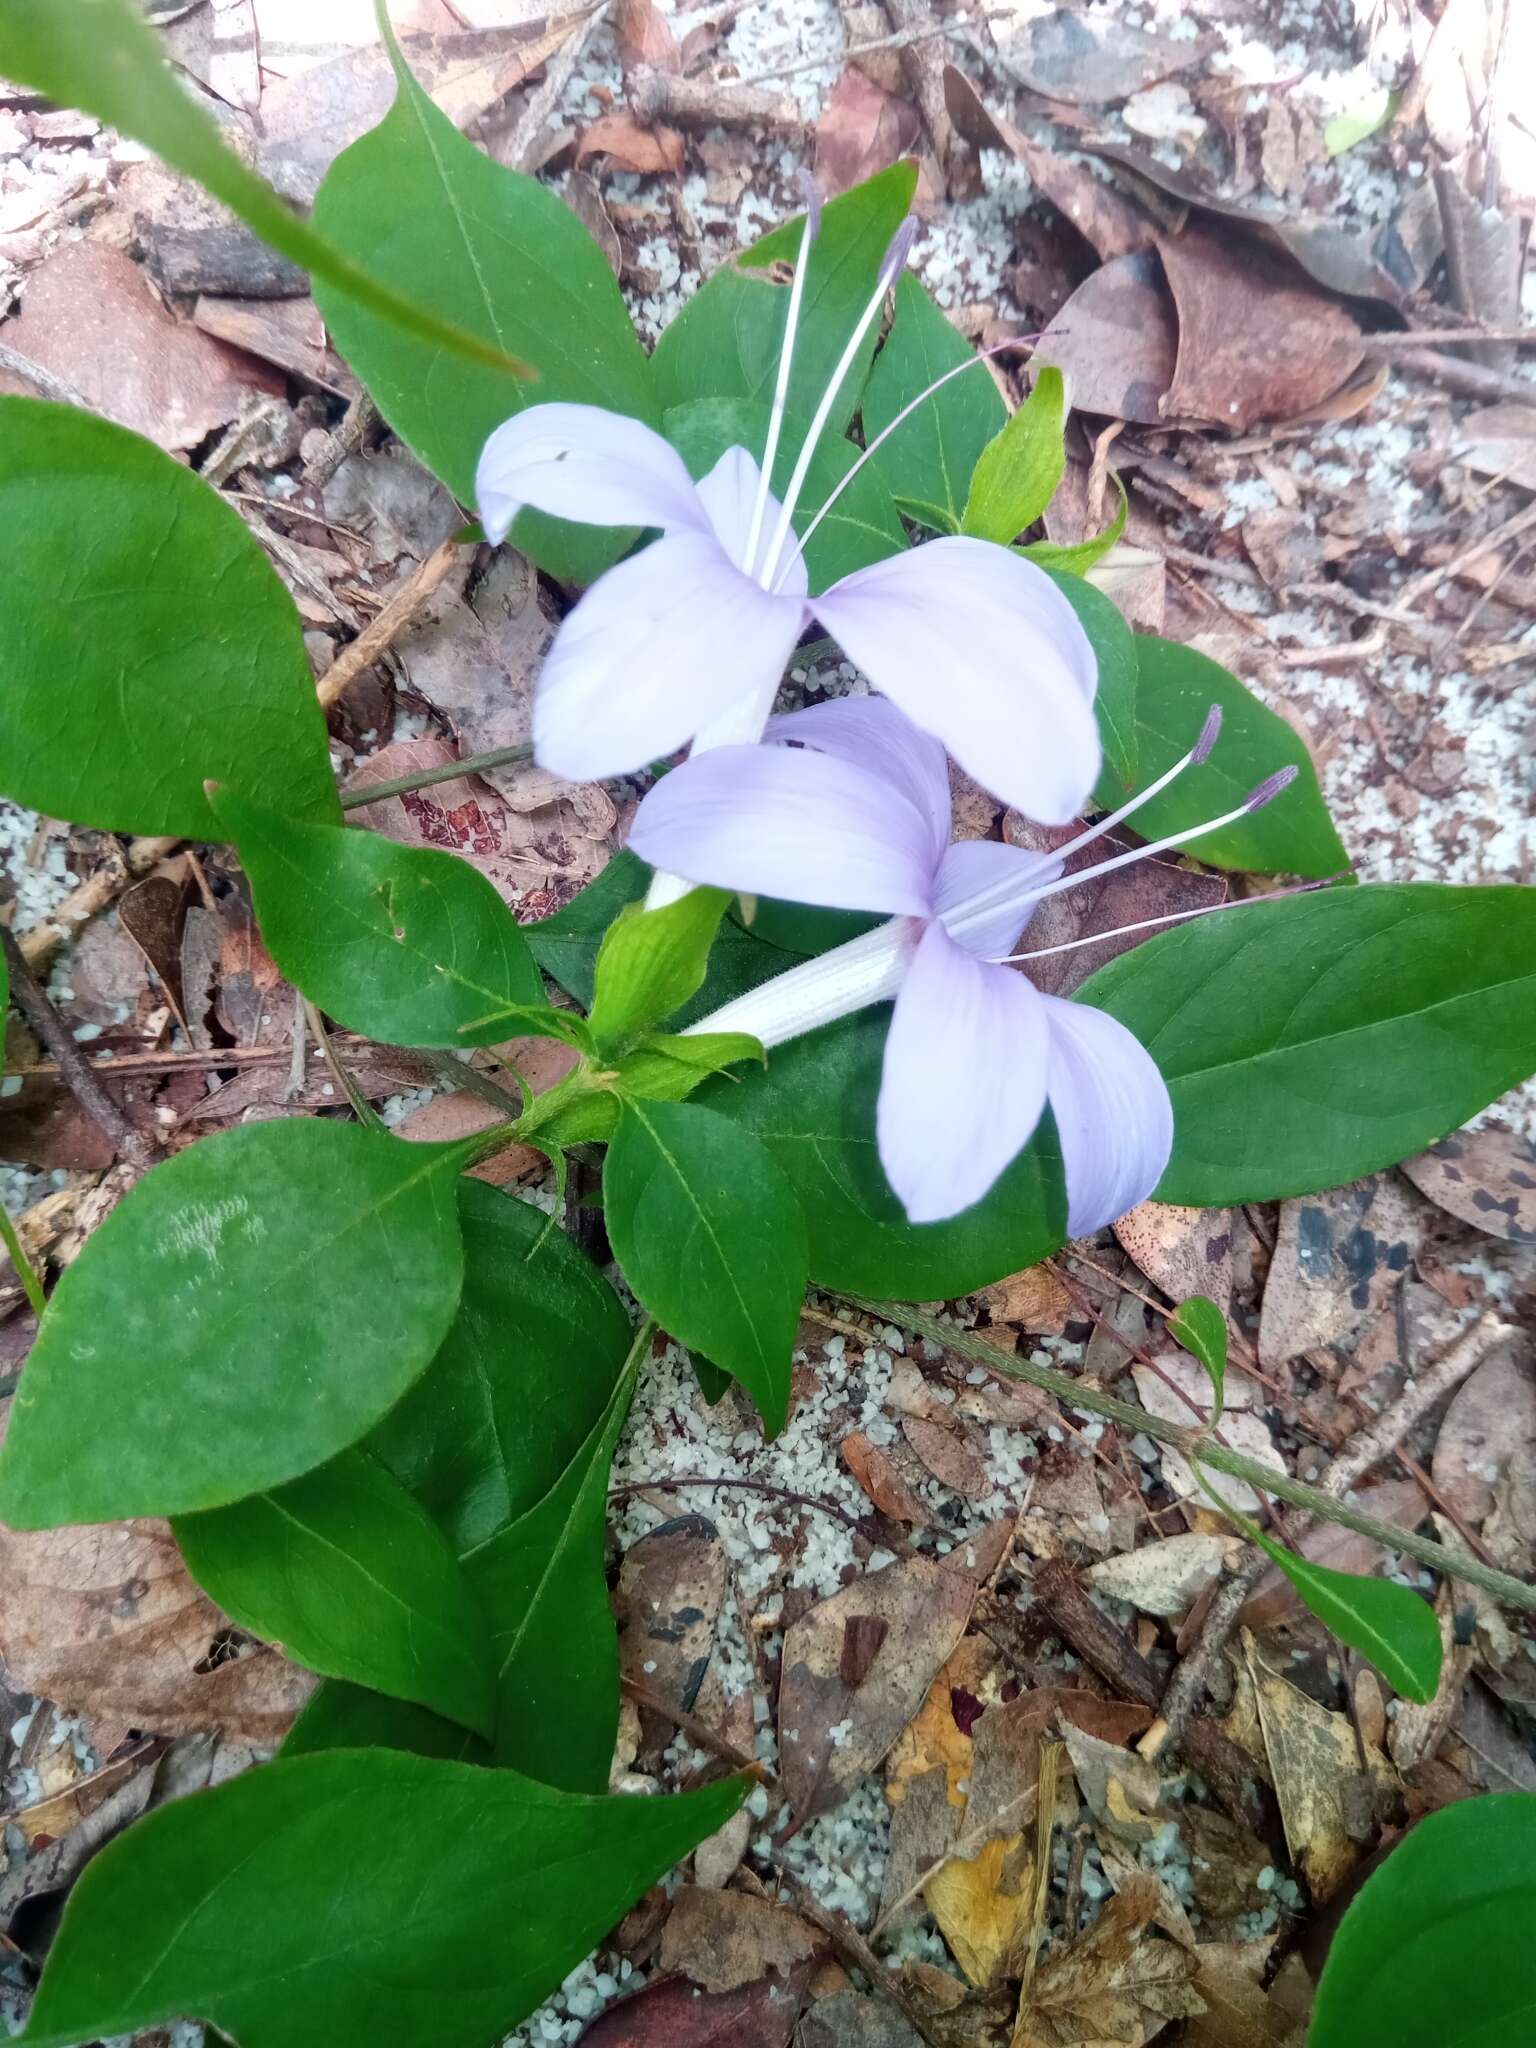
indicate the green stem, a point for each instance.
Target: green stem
{"x":25,"y":1271}
{"x":1451,"y":1564}
{"x":450,"y":771}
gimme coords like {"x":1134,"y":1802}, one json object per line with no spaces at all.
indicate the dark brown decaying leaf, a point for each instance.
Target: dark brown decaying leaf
{"x":1337,"y":1259}
{"x":878,"y":1477}
{"x":150,"y":913}
{"x":1087,"y":60}
{"x":1486,"y":1178}
{"x":90,"y":317}
{"x":1116,"y":340}
{"x":644,"y":36}
{"x":925,"y":1609}
{"x":947,"y":1455}
{"x":1239,"y":2013}
{"x":1181,"y":1251}
{"x":862,"y":129}
{"x":107,"y":1622}
{"x":670,"y":1587}
{"x":1256,"y":342}
{"x":672,"y":2013}
{"x":849,"y":2020}
{"x":630,"y":146}
{"x":724,"y":1940}
{"x":1489,"y":1426}
{"x":1116,"y":1983}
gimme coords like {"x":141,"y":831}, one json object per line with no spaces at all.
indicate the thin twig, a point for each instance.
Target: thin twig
{"x":697,"y":1731}
{"x":381,"y":633}
{"x":59,"y":389}
{"x":634,"y":1488}
{"x":29,"y":997}
{"x":1452,"y":1564}
{"x":523,"y":145}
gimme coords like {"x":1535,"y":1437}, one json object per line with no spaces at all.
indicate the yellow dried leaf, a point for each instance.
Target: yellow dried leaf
{"x":982,"y":1906}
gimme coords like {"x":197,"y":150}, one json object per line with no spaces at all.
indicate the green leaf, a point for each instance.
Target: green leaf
{"x":814,"y":1110}
{"x":712,"y":1241}
{"x":1114,"y":645}
{"x":342,"y":1716}
{"x":714,"y":1384}
{"x":926,"y":464}
{"x":1391,"y":1626}
{"x":402,"y":943}
{"x":1199,"y":1325}
{"x":1434,"y":1951}
{"x":668,"y":1067}
{"x":358,"y":1896}
{"x":1175,"y":687}
{"x":503,"y":257}
{"x":863,"y":526}
{"x":725,"y":343}
{"x":148,"y":643}
{"x":100,"y":55}
{"x":1310,"y":1041}
{"x":1359,"y":122}
{"x":247,"y":1311}
{"x":355,"y":1580}
{"x":1078,"y":557}
{"x":527,"y":1369}
{"x":1019,"y":470}
{"x":800,"y":929}
{"x":553,"y":1638}
{"x":649,"y":963}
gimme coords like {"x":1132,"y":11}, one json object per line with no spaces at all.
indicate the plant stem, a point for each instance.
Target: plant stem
{"x":26,"y":1272}
{"x":449,"y":771}
{"x":29,"y":996}
{"x":1452,"y":1564}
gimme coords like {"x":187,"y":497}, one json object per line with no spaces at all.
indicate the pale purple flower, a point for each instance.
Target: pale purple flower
{"x":687,"y":641}
{"x":853,"y":813}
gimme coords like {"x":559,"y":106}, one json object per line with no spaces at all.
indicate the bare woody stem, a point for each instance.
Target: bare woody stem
{"x":1451,"y":1564}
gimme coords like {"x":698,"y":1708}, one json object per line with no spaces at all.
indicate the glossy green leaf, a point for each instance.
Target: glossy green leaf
{"x":148,"y":644}
{"x":1114,"y":647}
{"x":1199,"y":1325}
{"x":1175,"y":687}
{"x":862,"y":527}
{"x":926,"y":464}
{"x":362,"y":1896}
{"x":801,"y":929}
{"x":1078,"y":557}
{"x":668,"y":1067}
{"x":403,"y":943}
{"x":524,"y":1375}
{"x":251,"y":1308}
{"x":814,"y":1110}
{"x":1310,"y":1041}
{"x":711,"y":1239}
{"x":353,"y":1577}
{"x":1434,"y":1950}
{"x":502,"y":256}
{"x":725,"y":343}
{"x":342,"y":1716}
{"x":1391,"y":1626}
{"x":554,"y":1645}
{"x":714,"y":1384}
{"x":649,"y":964}
{"x":99,"y":55}
{"x":1017,"y":474}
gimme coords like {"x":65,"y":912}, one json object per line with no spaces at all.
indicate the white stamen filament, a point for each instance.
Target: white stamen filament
{"x":885,"y":433}
{"x":1147,"y":924}
{"x":781,"y":387}
{"x":769,"y":571}
{"x":865,"y":970}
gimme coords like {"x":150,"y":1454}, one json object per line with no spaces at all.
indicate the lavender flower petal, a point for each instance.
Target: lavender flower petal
{"x":873,"y":734}
{"x":660,"y":646}
{"x":586,"y":463}
{"x":777,"y":821}
{"x":1113,"y":1115}
{"x":727,"y":494}
{"x":979,"y":647}
{"x":963,"y":1082}
{"x":973,"y":865}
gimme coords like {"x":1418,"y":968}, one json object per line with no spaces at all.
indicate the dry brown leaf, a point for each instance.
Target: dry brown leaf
{"x":1486,"y":1178}
{"x":1122,"y":1790}
{"x":1181,"y":1251}
{"x":1255,"y":342}
{"x":631,"y":146}
{"x":1419,"y":1727}
{"x":667,"y":1606}
{"x":878,"y":1477}
{"x":1188,"y":1402}
{"x":107,"y":1622}
{"x":1116,"y":341}
{"x":1034,"y":1300}
{"x":948,"y":1457}
{"x":1162,"y":1578}
{"x":1239,"y":2013}
{"x":925,"y":1609}
{"x":1115,"y":1984}
{"x":862,"y":129}
{"x":1337,"y":1259}
{"x":91,"y":318}
{"x":672,"y":2013}
{"x":288,"y":333}
{"x":982,"y":1905}
{"x":723,"y":1940}
{"x":1326,"y":1799}
{"x":1499,"y":441}
{"x":847,"y":2019}
{"x":644,"y":36}
{"x":1226,"y":1862}
{"x":1086,"y":60}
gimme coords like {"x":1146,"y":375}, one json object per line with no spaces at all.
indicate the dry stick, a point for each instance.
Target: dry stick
{"x":1415,"y":337}
{"x":1365,"y":1449}
{"x":697,"y":1731}
{"x":57,"y":388}
{"x":126,"y":866}
{"x":1470,"y":380}
{"x":1452,"y":1564}
{"x":632,"y":1490}
{"x":381,"y":632}
{"x":28,"y":996}
{"x":523,"y":145}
